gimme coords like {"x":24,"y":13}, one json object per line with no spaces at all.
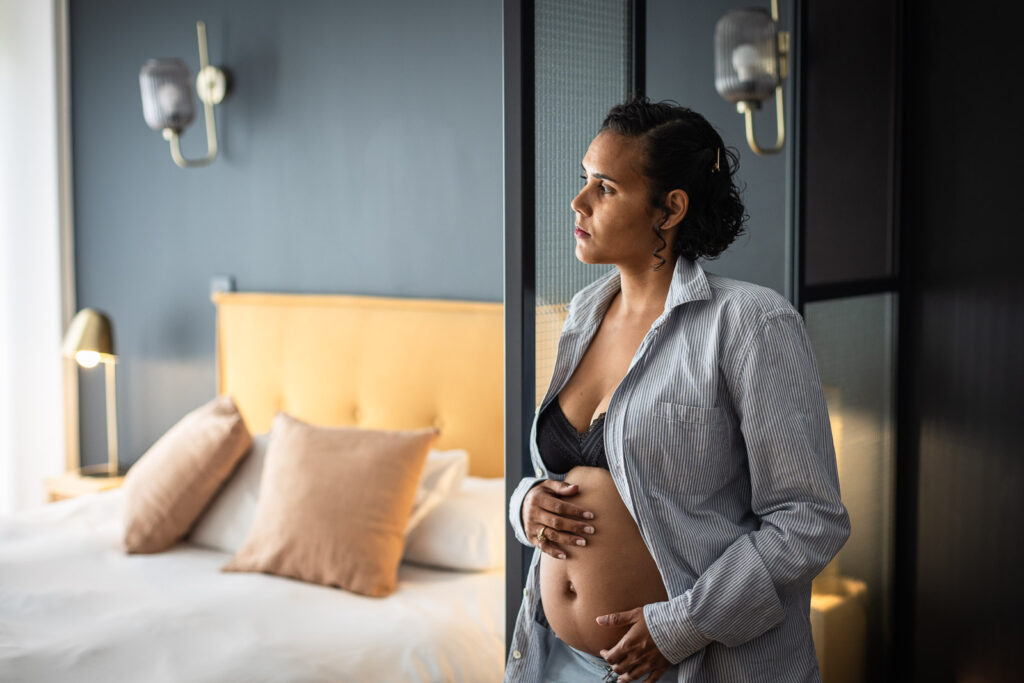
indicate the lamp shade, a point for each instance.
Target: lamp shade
{"x":90,"y":337}
{"x":166,"y":94}
{"x":746,"y":55}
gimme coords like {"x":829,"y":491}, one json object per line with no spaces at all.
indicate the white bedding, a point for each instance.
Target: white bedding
{"x":75,"y":607}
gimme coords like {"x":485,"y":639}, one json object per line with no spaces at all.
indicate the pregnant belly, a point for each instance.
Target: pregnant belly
{"x":614,"y":572}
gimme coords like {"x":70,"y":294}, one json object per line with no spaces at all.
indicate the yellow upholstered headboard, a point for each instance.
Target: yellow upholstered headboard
{"x":370,"y":362}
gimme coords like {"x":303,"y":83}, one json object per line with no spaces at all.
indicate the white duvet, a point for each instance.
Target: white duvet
{"x":75,"y":607}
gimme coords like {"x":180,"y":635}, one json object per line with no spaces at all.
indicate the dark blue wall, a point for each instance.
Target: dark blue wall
{"x":681,"y":67}
{"x":361,"y":152}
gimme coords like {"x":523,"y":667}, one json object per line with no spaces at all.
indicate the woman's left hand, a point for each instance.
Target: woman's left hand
{"x":635,"y":654}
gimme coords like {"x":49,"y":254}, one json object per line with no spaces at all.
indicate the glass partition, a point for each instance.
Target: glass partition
{"x":854,"y":343}
{"x":582,"y":68}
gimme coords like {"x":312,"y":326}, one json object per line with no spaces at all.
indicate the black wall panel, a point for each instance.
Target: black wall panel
{"x":848,"y":128}
{"x":963,"y":334}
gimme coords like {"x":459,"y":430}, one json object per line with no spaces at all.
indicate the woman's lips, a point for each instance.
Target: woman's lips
{"x":580,"y":232}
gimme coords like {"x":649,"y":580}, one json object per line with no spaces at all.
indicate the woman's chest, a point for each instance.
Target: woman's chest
{"x":672,"y":421}
{"x":675,"y":362}
{"x":672,"y":389}
{"x":604,"y":362}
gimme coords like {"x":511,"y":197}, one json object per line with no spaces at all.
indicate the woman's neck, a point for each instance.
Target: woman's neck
{"x":643,"y":290}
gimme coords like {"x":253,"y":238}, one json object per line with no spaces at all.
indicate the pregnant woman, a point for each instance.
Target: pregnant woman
{"x":686,"y":490}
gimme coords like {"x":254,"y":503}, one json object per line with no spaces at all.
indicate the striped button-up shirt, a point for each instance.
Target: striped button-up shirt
{"x":718,"y":440}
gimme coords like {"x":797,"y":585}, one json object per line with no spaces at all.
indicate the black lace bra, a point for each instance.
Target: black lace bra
{"x":562,"y":447}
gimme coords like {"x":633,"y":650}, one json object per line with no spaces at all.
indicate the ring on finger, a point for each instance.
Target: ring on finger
{"x":540,"y":535}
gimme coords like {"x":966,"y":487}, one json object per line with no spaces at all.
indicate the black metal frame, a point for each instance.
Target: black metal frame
{"x":900,"y":662}
{"x":519,"y":274}
{"x":797,"y":154}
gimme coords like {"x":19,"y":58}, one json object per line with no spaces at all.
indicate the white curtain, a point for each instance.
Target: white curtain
{"x":31,"y":395}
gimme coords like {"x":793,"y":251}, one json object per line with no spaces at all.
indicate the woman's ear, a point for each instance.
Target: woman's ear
{"x":677,"y":202}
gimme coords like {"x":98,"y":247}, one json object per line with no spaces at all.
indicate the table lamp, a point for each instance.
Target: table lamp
{"x":90,"y":341}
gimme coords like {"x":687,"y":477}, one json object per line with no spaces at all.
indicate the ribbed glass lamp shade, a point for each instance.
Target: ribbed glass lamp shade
{"x":166,"y":94}
{"x":746,"y":55}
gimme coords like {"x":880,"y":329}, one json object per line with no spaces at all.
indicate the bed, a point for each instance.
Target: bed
{"x":75,"y":606}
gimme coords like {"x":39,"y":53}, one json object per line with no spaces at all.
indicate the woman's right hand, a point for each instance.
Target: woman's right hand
{"x":563,"y":523}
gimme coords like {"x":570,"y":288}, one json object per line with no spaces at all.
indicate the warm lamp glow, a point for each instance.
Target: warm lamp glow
{"x":88,"y":359}
{"x":90,"y":331}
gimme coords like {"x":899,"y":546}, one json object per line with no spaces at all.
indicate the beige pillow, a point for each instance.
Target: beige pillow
{"x":333,"y":505}
{"x":167,"y":489}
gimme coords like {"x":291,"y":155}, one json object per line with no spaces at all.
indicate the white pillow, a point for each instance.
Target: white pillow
{"x":225,"y":524}
{"x":442,"y":476}
{"x":466,"y":531}
{"x":226,"y":521}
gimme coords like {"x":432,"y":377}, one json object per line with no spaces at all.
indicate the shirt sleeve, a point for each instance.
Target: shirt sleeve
{"x":778,"y":397}
{"x":515,"y":508}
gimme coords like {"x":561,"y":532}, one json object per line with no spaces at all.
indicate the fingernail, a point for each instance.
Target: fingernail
{"x":561,"y":556}
{"x":580,"y":541}
{"x":602,"y":621}
{"x":589,"y":529}
{"x":588,"y":515}
{"x":604,"y":653}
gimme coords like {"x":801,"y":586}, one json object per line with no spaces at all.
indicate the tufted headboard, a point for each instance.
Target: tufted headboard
{"x":370,"y":362}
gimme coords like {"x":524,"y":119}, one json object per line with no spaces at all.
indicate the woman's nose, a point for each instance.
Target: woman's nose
{"x":579,"y":203}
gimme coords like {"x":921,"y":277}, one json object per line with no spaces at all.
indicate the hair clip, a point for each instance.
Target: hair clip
{"x":715,"y":168}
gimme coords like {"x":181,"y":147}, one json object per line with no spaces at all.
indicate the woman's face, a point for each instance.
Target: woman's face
{"x":614,"y":215}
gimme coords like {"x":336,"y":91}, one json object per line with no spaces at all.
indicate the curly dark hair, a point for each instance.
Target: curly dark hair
{"x":680,"y":148}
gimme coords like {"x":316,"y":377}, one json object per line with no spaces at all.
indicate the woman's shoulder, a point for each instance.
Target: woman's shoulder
{"x":740,"y":310}
{"x":746,"y":300}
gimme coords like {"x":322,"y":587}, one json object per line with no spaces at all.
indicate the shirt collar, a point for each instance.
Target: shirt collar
{"x":689,"y":283}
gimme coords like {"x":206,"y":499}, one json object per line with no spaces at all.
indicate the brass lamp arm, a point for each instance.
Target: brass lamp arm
{"x":112,"y":466}
{"x":748,"y":112}
{"x":211,"y":84}
{"x":211,"y":142}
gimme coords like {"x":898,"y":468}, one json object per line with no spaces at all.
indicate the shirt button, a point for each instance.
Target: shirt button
{"x":526,"y":592}
{"x":539,"y":474}
{"x":516,"y":654}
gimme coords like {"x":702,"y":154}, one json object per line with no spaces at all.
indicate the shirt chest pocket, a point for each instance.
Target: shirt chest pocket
{"x":692,"y":444}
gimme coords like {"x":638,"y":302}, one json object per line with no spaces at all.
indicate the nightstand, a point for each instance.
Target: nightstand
{"x":71,"y":484}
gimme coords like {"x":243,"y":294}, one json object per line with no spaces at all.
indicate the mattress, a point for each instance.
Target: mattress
{"x":75,"y":607}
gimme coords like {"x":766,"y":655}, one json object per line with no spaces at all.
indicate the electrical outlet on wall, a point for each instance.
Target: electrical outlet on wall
{"x":222,"y":283}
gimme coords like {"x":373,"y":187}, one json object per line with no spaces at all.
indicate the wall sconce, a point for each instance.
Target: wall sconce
{"x":751,"y":61}
{"x":167,"y":99}
{"x":90,"y":341}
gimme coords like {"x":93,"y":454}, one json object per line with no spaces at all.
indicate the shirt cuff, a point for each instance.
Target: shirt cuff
{"x":733,"y":601}
{"x":676,"y":638}
{"x":515,"y":508}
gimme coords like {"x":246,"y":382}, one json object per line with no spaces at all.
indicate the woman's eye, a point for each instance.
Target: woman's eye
{"x":603,"y":189}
